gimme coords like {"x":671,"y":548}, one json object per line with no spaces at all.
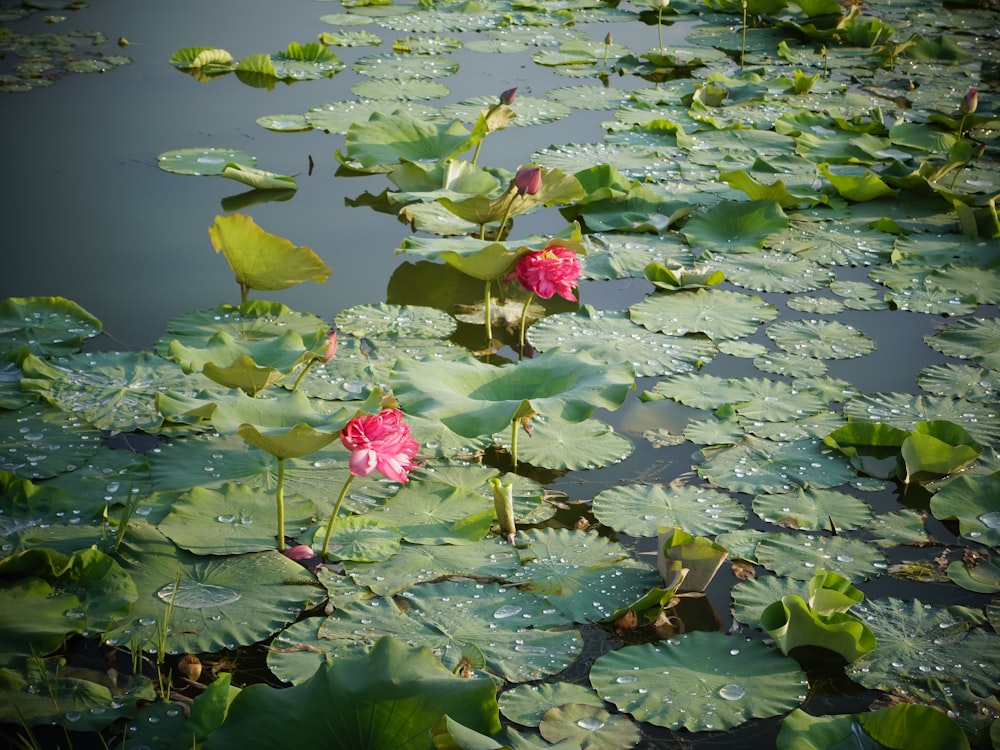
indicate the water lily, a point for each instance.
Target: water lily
{"x":377,"y":442}
{"x":547,"y":272}
{"x":968,"y":106}
{"x":528,"y":181}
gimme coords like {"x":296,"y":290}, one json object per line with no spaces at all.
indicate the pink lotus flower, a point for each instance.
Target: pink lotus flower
{"x":553,"y":270}
{"x":380,"y":442}
{"x":331,"y":346}
{"x":528,"y":181}
{"x":300,"y":552}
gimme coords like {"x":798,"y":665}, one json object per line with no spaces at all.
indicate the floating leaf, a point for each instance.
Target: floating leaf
{"x":824,"y":339}
{"x":258,"y":178}
{"x":591,"y":726}
{"x":977,"y":339}
{"x":262,"y":260}
{"x":972,"y":500}
{"x":731,"y":227}
{"x":38,"y":442}
{"x":590,"y":444}
{"x":203,"y":161}
{"x":387,"y":139}
{"x":44,"y":326}
{"x":716,"y":313}
{"x":802,"y":555}
{"x":699,"y":681}
{"x":904,"y":725}
{"x":475,"y":399}
{"x":435,"y":514}
{"x":640,"y":510}
{"x":526,"y":704}
{"x":813,"y":509}
{"x":383,"y":320}
{"x":387,"y":699}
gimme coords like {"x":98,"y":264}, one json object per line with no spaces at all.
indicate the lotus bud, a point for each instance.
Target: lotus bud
{"x":508,"y":96}
{"x":331,"y":346}
{"x":300,"y":553}
{"x":970,"y":101}
{"x":503,"y":501}
{"x":661,"y":4}
{"x":528,"y":181}
{"x":608,"y":38}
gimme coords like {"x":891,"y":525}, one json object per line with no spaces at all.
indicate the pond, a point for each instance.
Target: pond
{"x":787,"y":308}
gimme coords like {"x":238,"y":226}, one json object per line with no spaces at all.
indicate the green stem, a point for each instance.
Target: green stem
{"x":659,"y":27}
{"x":489,"y":312}
{"x":279,"y":495}
{"x":743,"y":49}
{"x":244,"y":293}
{"x":336,"y":510}
{"x":524,"y":320}
{"x":513,"y":444}
{"x":961,"y":126}
{"x":302,"y":374}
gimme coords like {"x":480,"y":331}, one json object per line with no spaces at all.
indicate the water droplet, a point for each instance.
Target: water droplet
{"x":991,"y":520}
{"x":590,"y":723}
{"x":732,"y":692}
{"x":626,"y":679}
{"x":507,"y":610}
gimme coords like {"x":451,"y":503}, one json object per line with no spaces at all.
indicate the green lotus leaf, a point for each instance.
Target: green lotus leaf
{"x":209,"y":60}
{"x":717,"y":313}
{"x":451,"y":178}
{"x":388,"y":139}
{"x":284,"y":124}
{"x":82,"y":593}
{"x":258,"y":179}
{"x":230,"y":520}
{"x":960,"y":381}
{"x":906,"y":411}
{"x":429,"y":514}
{"x":243,"y":373}
{"x":773,"y":272}
{"x":280,"y":353}
{"x":472,"y":398}
{"x":590,"y":444}
{"x":972,"y":501}
{"x":39,"y":441}
{"x":300,"y":440}
{"x":192,"y":604}
{"x":585,"y":577}
{"x":792,"y":623}
{"x":404,"y":66}
{"x":918,"y":643}
{"x":337,"y":117}
{"x":634,"y":162}
{"x":160,"y":724}
{"x":209,"y":161}
{"x":701,"y":681}
{"x":526,"y":704}
{"x":698,"y":555}
{"x":43,"y":326}
{"x":905,"y":725}
{"x":112,"y":391}
{"x":977,"y":339}
{"x":384,"y":320}
{"x":388,"y":698}
{"x":245,"y":325}
{"x":400,"y":90}
{"x":925,"y":454}
{"x":422,"y":563}
{"x":801,"y":555}
{"x":360,"y":539}
{"x":731,"y":227}
{"x":591,"y":726}
{"x":855,"y":184}
{"x":484,"y":627}
{"x":752,"y":596}
{"x":81,"y":698}
{"x":765,"y":466}
{"x":905,"y":526}
{"x":676,"y":278}
{"x":775,"y":190}
{"x":981,"y":575}
{"x":641,"y":509}
{"x":642,"y":209}
{"x":614,"y":336}
{"x":47,"y":516}
{"x":556,"y":187}
{"x":526,"y":111}
{"x":262,"y":260}
{"x":813,"y":509}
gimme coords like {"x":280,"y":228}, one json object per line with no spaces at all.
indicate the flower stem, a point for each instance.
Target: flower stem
{"x":302,"y":374}
{"x":513,"y":444}
{"x":659,"y":27}
{"x":524,"y":320}
{"x":336,"y":510}
{"x":279,"y":494}
{"x":488,"y":312}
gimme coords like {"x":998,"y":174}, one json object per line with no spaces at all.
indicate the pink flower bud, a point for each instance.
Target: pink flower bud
{"x":331,"y":346}
{"x":507,"y":97}
{"x":608,"y":39}
{"x":970,"y":101}
{"x":300,"y":552}
{"x":528,"y":181}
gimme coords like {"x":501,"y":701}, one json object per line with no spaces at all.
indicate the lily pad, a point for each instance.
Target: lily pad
{"x":972,"y":500}
{"x":188,"y":604}
{"x":44,"y":326}
{"x":977,"y":339}
{"x":640,"y":510}
{"x":203,"y":161}
{"x":699,"y":681}
{"x":39,"y":441}
{"x":813,"y":509}
{"x":592,"y":727}
{"x":475,"y":399}
{"x":387,"y":139}
{"x":716,"y":313}
{"x":526,"y":704}
{"x":615,"y":336}
{"x":590,"y":444}
{"x":383,"y":320}
{"x":802,"y":555}
{"x":230,"y":520}
{"x":823,"y":339}
{"x":437,"y":514}
{"x":731,"y":227}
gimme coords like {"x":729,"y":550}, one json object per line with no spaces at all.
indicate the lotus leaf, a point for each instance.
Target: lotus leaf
{"x":976,"y":574}
{"x":475,"y":399}
{"x":388,"y":698}
{"x":752,"y":596}
{"x":801,"y":555}
{"x":262,"y":260}
{"x":360,"y":539}
{"x":203,"y":161}
{"x":813,"y":509}
{"x":244,"y":324}
{"x":387,"y":139}
{"x":717,"y":313}
{"x":258,"y":179}
{"x":906,"y":411}
{"x":824,"y":339}
{"x":905,"y":725}
{"x":972,"y":500}
{"x":39,"y":442}
{"x":977,"y":339}
{"x":639,"y":510}
{"x":700,"y":681}
{"x":44,"y":326}
{"x":526,"y":704}
{"x":427,"y":513}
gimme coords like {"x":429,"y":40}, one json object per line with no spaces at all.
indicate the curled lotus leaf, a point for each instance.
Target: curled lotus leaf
{"x":44,"y":326}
